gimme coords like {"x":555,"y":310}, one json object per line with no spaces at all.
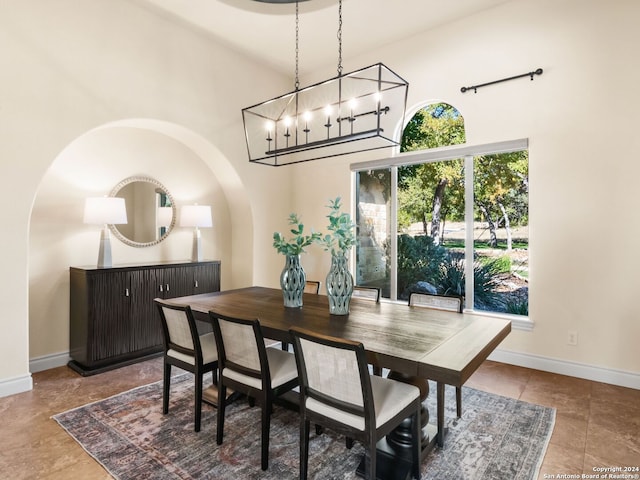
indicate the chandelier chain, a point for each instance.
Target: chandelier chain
{"x":340,"y":38}
{"x":297,"y":84}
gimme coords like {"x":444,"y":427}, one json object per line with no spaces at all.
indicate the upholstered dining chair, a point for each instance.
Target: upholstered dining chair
{"x":373,"y":294}
{"x":248,"y":367}
{"x":451,"y":303}
{"x":366,"y":293}
{"x":337,"y":391}
{"x":185,"y":348}
{"x":312,"y":286}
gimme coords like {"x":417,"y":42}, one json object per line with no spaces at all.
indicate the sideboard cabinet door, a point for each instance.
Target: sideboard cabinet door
{"x":109,"y":325}
{"x":113,"y":320}
{"x":206,"y":278}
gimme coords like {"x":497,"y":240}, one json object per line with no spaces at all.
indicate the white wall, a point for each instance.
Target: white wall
{"x":72,"y":66}
{"x":581,"y":120}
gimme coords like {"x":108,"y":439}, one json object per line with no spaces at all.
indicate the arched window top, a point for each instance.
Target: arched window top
{"x":435,"y":125}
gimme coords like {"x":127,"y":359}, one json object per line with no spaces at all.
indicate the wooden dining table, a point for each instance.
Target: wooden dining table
{"x":446,"y":347}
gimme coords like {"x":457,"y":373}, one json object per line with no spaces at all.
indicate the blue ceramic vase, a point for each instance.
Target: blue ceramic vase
{"x":292,"y":281}
{"x":339,"y":285}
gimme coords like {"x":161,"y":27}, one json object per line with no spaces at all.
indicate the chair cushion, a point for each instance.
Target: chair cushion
{"x":282,"y":366}
{"x":178,"y":326}
{"x":389,"y":398}
{"x":209,"y":351}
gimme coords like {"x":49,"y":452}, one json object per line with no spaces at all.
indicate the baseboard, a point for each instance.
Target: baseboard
{"x":46,"y":362}
{"x":11,"y":386}
{"x":565,"y":367}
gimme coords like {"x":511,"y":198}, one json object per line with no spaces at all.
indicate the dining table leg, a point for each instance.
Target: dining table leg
{"x":440,"y":413}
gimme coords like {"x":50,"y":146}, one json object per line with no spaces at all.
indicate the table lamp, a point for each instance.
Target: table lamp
{"x":105,"y":211}
{"x":165,"y":216}
{"x":196,"y":216}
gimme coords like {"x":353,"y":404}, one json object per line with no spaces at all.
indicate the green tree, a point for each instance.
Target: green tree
{"x":429,"y":192}
{"x":500,"y":190}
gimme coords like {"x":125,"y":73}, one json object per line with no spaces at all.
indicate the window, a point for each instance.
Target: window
{"x":501,"y":232}
{"x":453,"y":220}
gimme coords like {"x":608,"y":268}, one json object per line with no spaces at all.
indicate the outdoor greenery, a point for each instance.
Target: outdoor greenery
{"x":298,"y":242}
{"x":518,"y":307}
{"x":341,"y":236}
{"x":433,"y":193}
{"x":420,"y":260}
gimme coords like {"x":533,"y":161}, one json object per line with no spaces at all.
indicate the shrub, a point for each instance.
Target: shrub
{"x":485,"y":282}
{"x":452,"y":280}
{"x":518,"y":307}
{"x":419,"y":259}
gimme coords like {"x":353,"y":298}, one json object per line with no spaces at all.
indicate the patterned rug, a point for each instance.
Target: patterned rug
{"x":496,"y":438}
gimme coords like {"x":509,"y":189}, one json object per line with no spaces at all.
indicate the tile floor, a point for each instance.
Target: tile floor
{"x":597,"y":425}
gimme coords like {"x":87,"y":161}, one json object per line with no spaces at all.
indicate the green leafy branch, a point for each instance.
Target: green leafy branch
{"x":297,"y":244}
{"x":342,"y":230}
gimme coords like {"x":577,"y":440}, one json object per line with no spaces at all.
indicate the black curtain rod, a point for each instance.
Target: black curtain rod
{"x":476,"y":87}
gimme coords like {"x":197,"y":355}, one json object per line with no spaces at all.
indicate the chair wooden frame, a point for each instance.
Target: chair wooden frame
{"x":371,"y":294}
{"x":198,"y":368}
{"x":265,"y":395}
{"x":452,"y":303}
{"x":372,"y":432}
{"x":366,"y":293}
{"x":310,"y":286}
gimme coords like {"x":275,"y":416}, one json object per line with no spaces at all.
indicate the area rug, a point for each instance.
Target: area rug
{"x":496,"y":438}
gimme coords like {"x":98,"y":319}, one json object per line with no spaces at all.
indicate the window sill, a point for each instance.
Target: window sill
{"x":518,"y":322}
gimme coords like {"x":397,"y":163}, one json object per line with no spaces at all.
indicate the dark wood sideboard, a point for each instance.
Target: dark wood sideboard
{"x":113,"y":320}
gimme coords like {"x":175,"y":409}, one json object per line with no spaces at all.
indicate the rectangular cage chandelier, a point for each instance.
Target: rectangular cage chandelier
{"x":353,"y":112}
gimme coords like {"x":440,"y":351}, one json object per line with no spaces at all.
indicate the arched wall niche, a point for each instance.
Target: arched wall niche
{"x":190,"y":167}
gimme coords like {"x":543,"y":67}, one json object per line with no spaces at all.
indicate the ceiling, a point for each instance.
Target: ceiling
{"x":266,"y":31}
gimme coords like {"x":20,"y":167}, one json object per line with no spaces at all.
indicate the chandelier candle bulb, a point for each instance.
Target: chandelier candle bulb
{"x":353,"y":103}
{"x":287,"y":124}
{"x":307,"y":116}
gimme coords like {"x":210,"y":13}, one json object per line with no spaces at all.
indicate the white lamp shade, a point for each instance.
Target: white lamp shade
{"x":105,"y":210}
{"x":195,"y":216}
{"x":165,"y":216}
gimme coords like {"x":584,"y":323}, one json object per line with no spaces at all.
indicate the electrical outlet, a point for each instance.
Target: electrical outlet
{"x":572,"y":337}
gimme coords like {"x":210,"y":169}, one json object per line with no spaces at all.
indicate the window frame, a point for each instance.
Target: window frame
{"x":464,"y":151}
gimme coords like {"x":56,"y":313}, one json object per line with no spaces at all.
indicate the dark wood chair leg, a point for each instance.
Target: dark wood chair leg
{"x":459,"y":401}
{"x":266,"y":422}
{"x":285,"y":346}
{"x":377,"y":371}
{"x":166,"y":385}
{"x":349,"y":443}
{"x":222,"y":402}
{"x":370,"y":461}
{"x":304,"y":448}
{"x":198,"y":401}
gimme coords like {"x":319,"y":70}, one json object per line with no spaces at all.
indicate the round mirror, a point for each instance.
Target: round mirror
{"x":151,"y":211}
